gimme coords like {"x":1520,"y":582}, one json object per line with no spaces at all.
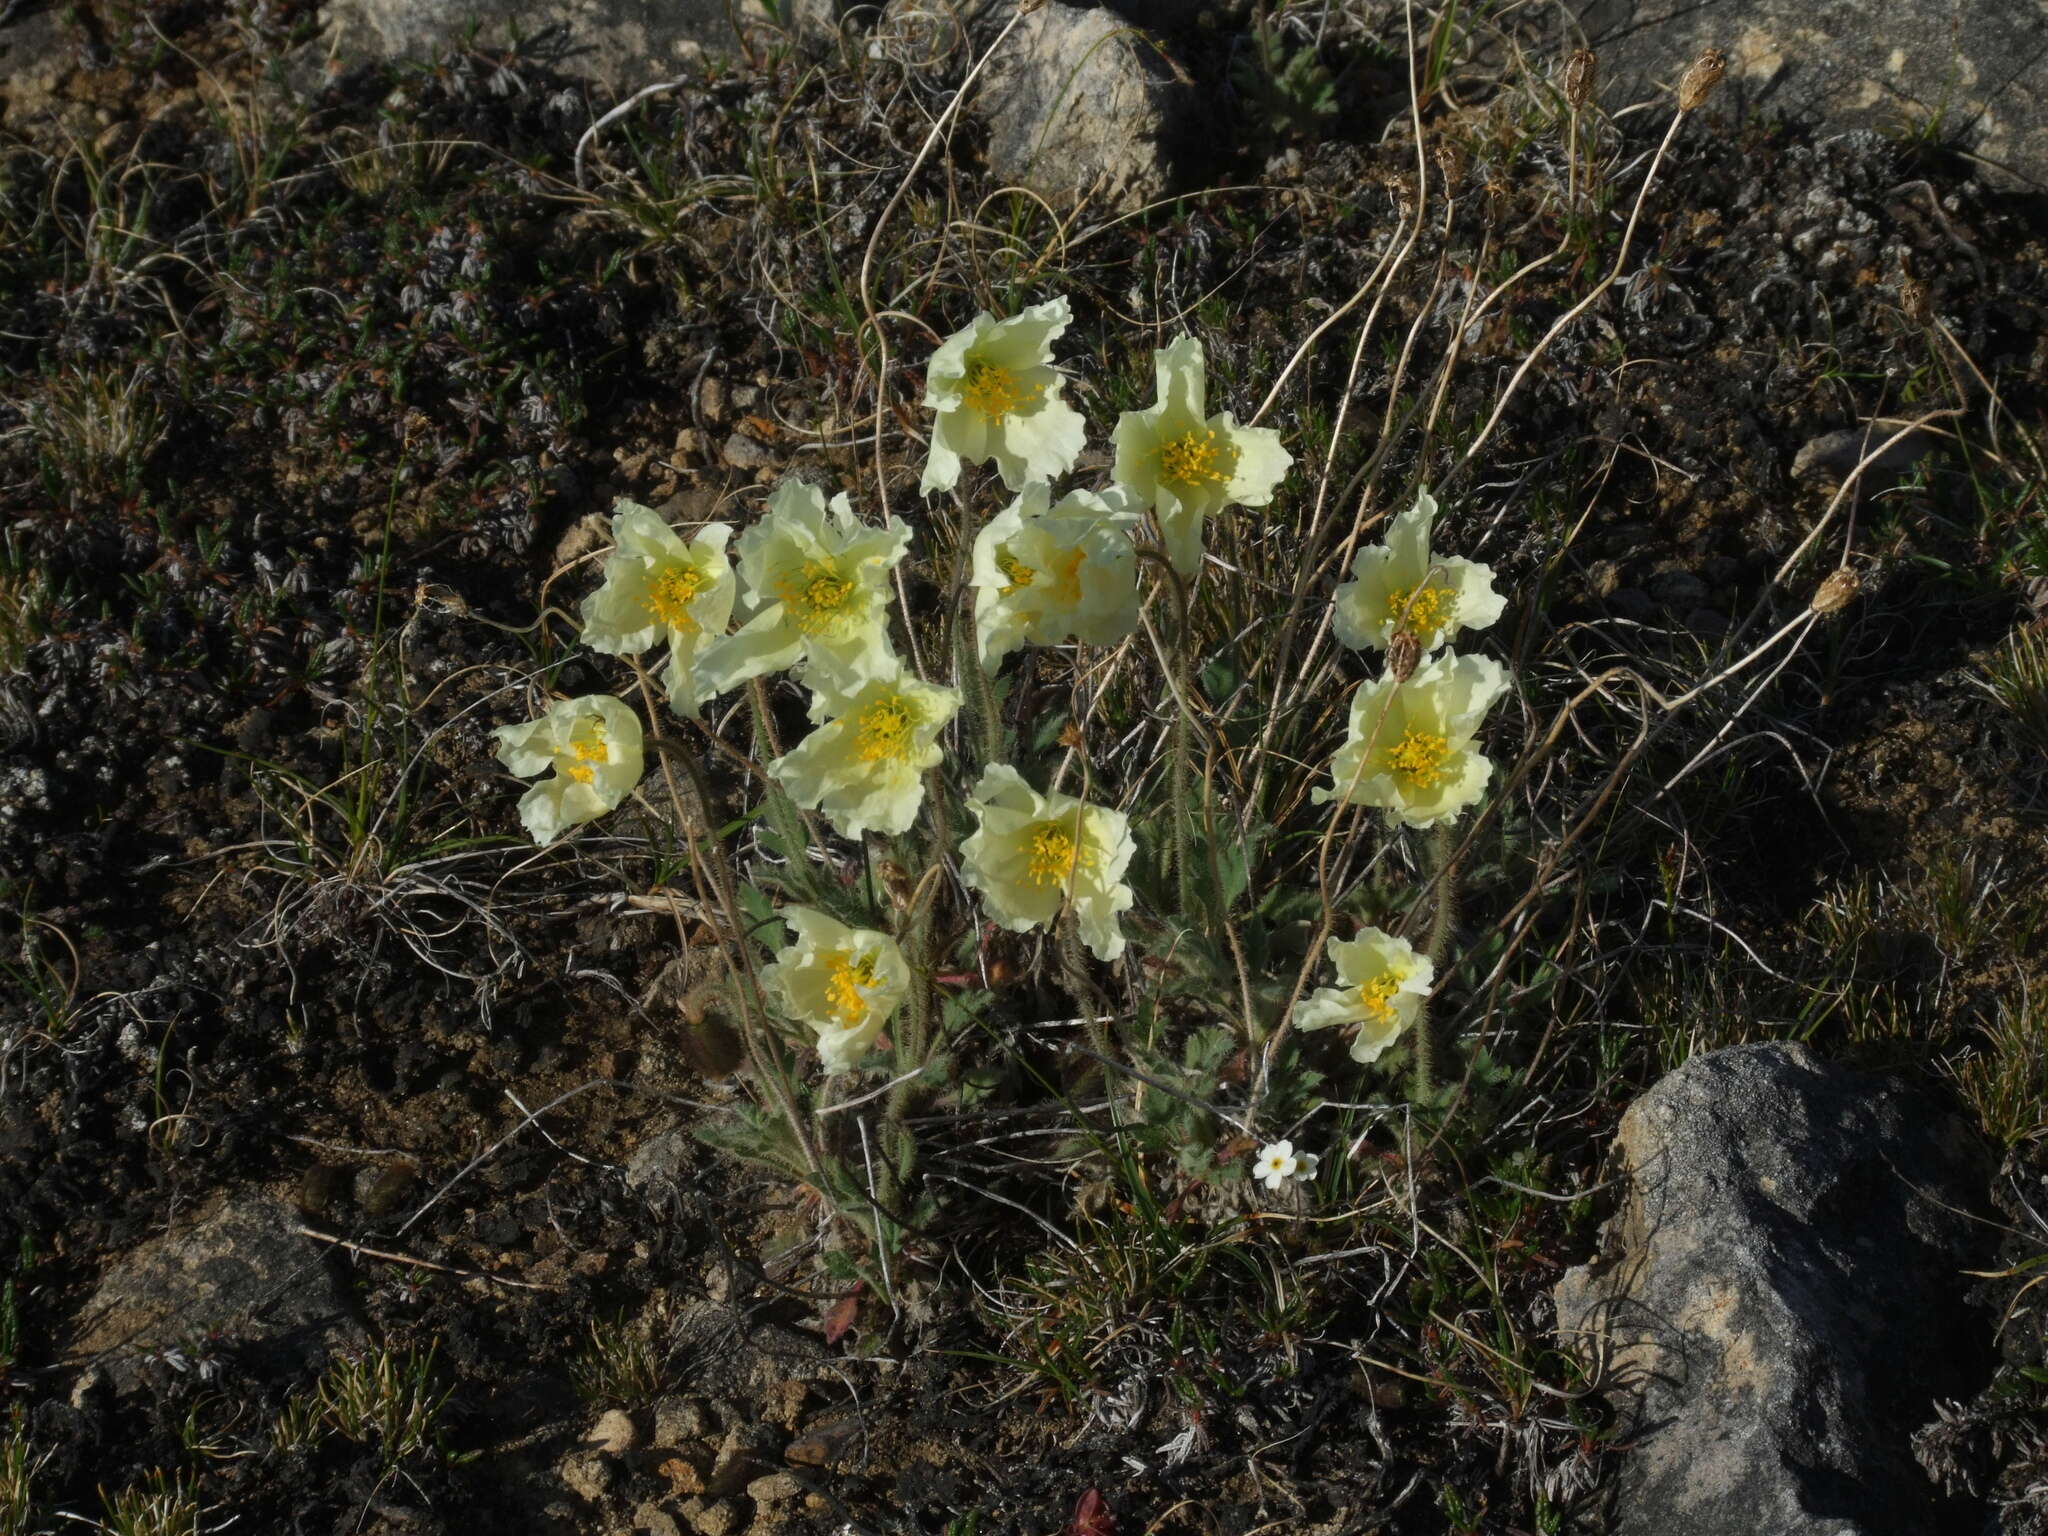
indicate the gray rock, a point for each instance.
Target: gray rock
{"x":1082,"y":104}
{"x":1777,"y":1303}
{"x":622,"y":45}
{"x":1968,"y":70}
{"x":242,"y":1273}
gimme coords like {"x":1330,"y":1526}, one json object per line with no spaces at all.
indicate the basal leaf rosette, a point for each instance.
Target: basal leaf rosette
{"x":844,"y":983}
{"x":592,"y":744}
{"x":1046,"y":572}
{"x":1033,"y":852}
{"x":817,"y":591}
{"x":1397,"y":585}
{"x":1410,"y":746}
{"x":656,"y":587}
{"x":1188,"y":466}
{"x":1382,"y":982}
{"x":864,"y":765}
{"x":997,"y":396}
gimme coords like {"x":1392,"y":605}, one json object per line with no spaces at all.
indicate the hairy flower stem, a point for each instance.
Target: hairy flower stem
{"x":715,"y":872}
{"x":1429,"y":1047}
{"x":1201,"y":889}
{"x":976,"y":691}
{"x":1094,"y":1006}
{"x":787,"y":822}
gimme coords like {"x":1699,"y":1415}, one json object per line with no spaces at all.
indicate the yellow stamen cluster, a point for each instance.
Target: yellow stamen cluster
{"x":1054,"y":856}
{"x":589,"y":747}
{"x":846,"y":987}
{"x":1193,"y":458}
{"x":1019,"y":573}
{"x":1376,"y":997}
{"x":817,"y":597}
{"x":995,"y":392}
{"x":884,"y":729}
{"x":1419,"y":757}
{"x":670,"y":594}
{"x":1426,"y":610}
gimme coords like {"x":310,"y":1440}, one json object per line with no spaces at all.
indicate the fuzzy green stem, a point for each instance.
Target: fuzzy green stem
{"x":1430,"y":1048}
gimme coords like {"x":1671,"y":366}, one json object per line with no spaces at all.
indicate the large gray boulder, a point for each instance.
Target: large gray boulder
{"x":241,"y":1278}
{"x":1973,"y":72}
{"x":1778,"y":1301}
{"x":1081,"y":104}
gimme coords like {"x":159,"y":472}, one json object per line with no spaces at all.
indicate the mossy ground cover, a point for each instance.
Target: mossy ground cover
{"x":307,"y":404}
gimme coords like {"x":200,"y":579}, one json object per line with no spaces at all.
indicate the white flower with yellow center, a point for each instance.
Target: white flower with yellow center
{"x":593,"y":746}
{"x":657,"y":588}
{"x":1397,"y":585}
{"x":998,"y":397}
{"x":1383,"y":983}
{"x":1278,"y":1162}
{"x":817,"y":591}
{"x":864,"y":765}
{"x":1046,"y":573}
{"x":1032,"y":853}
{"x":845,"y":983}
{"x":1410,"y":749}
{"x":1187,"y":466}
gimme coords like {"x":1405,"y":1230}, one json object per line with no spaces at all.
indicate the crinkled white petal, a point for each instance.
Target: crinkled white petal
{"x":815,"y":980}
{"x":834,"y":768}
{"x":996,"y":859}
{"x":593,"y":745}
{"x":1044,"y":574}
{"x":1039,"y":438}
{"x":1446,"y":699}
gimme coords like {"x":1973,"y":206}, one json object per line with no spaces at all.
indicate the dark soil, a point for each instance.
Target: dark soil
{"x":273,"y":929}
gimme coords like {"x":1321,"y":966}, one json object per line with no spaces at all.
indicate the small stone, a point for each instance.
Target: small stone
{"x":823,"y":1444}
{"x":749,"y":1451}
{"x":656,"y":1521}
{"x":613,"y":1433}
{"x":712,"y":1517}
{"x":775,"y":1489}
{"x":586,"y":1474}
{"x":742,"y":452}
{"x":711,"y":400}
{"x":678,"y":1419}
{"x":584,"y":535}
{"x":684,"y":1471}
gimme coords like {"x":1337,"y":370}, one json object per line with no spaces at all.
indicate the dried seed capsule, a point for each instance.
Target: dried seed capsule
{"x":1581,"y":75}
{"x":1837,"y":592}
{"x":1403,"y":651}
{"x":1699,"y":81}
{"x":1915,"y":300}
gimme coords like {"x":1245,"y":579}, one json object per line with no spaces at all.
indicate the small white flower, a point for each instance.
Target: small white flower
{"x":1032,"y":852}
{"x":1398,"y":585}
{"x":1046,"y":573}
{"x":1410,"y":748}
{"x":817,"y":591}
{"x":864,"y":765}
{"x":1384,"y":983}
{"x":998,"y":397}
{"x":1187,"y":466}
{"x":657,"y":587}
{"x":1278,"y":1162}
{"x":845,"y":983}
{"x":593,"y":746}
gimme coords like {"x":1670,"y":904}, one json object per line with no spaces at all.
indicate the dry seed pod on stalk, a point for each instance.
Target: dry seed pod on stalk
{"x":1581,"y":76}
{"x":1403,"y":651}
{"x":1699,"y":81}
{"x":1837,"y":592}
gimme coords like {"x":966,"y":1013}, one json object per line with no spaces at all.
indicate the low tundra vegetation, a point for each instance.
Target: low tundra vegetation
{"x":738,"y":730}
